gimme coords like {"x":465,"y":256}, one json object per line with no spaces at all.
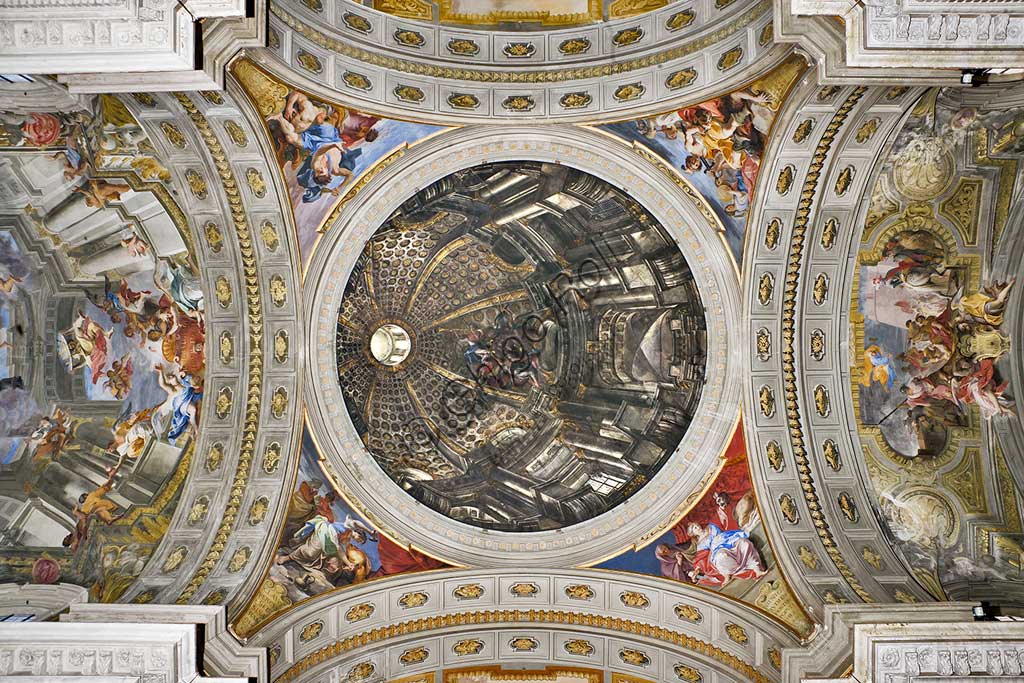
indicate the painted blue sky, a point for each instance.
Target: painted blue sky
{"x":673,"y":152}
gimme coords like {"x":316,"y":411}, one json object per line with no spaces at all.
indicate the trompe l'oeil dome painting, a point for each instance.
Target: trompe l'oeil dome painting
{"x":521,"y":346}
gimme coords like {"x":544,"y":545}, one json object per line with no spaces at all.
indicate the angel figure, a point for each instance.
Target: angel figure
{"x":181,"y":405}
{"x":99,"y":192}
{"x":93,"y":341}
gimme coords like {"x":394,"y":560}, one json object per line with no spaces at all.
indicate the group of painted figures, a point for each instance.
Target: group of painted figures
{"x":723,"y":138}
{"x":953,"y":339}
{"x":324,"y":545}
{"x":320,"y":140}
{"x":713,"y":553}
{"x":140,"y":341}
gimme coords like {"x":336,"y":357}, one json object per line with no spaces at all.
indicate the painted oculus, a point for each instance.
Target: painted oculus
{"x":521,"y":346}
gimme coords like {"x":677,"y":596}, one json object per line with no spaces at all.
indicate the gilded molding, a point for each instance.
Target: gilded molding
{"x":616,"y":624}
{"x":348,"y":49}
{"x":255,"y":370}
{"x":790,"y":302}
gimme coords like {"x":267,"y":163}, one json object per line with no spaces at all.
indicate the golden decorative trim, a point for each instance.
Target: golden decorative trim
{"x":789,"y":363}
{"x":962,"y":208}
{"x":683,"y":184}
{"x":468,"y":591}
{"x":634,"y":599}
{"x":407,"y":9}
{"x":1004,"y":183}
{"x":621,"y":9}
{"x":689,"y":613}
{"x":255,"y":371}
{"x":579,"y":591}
{"x":680,"y":20}
{"x":359,"y":612}
{"x":350,"y":50}
{"x":803,"y":130}
{"x":737,"y":634}
{"x":617,"y":624}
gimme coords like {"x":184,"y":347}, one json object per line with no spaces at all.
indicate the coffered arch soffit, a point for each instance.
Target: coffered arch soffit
{"x":654,"y":62}
{"x":841,"y":175}
{"x":180,"y":183}
{"x":631,"y":625}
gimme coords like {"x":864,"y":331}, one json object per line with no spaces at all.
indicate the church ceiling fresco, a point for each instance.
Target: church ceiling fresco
{"x":932,"y":350}
{"x":520,"y":348}
{"x":325,"y":150}
{"x":718,"y":145}
{"x":721,"y":544}
{"x":103,"y":347}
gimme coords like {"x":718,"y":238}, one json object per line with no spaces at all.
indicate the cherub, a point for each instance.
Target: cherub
{"x":119,"y":377}
{"x":98,"y":192}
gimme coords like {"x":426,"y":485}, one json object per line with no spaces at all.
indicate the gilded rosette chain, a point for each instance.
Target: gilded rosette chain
{"x":255,"y":312}
{"x":507,"y":616}
{"x":789,"y":305}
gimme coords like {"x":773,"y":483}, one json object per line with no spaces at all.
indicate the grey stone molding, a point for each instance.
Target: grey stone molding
{"x":719,"y":50}
{"x":652,"y":509}
{"x":831,"y":652}
{"x":40,"y":601}
{"x":243,"y":460}
{"x":323,"y":638}
{"x":815,"y":542}
{"x":129,"y":644}
{"x":909,"y":34}
{"x":898,"y":644}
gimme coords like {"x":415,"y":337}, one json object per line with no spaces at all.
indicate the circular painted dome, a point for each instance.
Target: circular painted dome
{"x":521,"y":346}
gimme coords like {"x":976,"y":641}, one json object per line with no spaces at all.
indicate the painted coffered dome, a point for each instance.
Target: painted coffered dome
{"x":457,"y":341}
{"x":497,"y":395}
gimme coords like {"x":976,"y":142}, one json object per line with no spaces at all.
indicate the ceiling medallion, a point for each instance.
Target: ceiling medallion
{"x":730,"y":58}
{"x":357,"y":22}
{"x":463,"y":46}
{"x":519,"y":103}
{"x":574,"y":46}
{"x":579,"y":647}
{"x":463,"y":101}
{"x":357,"y":81}
{"x":409,"y":38}
{"x":488,"y":369}
{"x":628,"y":36}
{"x":680,"y":20}
{"x":575,"y":100}
{"x":408,"y":93}
{"x":680,"y":79}
{"x":309,"y":62}
{"x":629,"y":92}
{"x":519,"y":50}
